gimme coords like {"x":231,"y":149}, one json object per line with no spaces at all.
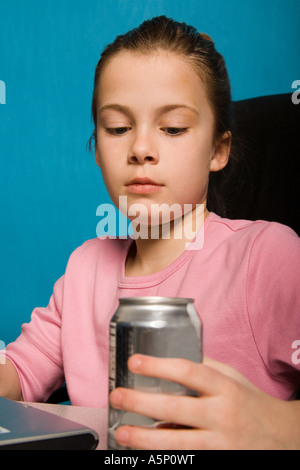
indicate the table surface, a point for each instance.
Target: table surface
{"x":94,"y":418}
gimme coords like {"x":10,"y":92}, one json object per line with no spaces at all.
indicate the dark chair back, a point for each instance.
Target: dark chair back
{"x":268,"y":138}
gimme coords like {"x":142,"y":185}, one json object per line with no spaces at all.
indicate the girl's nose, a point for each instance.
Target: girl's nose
{"x":143,"y":151}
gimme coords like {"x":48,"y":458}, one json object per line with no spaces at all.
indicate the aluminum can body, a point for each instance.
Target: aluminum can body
{"x":155,"y":326}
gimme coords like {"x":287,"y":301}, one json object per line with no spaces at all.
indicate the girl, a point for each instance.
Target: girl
{"x":161,"y":108}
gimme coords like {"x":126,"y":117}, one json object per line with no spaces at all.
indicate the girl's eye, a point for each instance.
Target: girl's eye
{"x":175,"y":130}
{"x":117,"y":130}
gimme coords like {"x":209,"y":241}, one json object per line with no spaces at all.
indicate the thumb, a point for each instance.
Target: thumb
{"x":229,"y":371}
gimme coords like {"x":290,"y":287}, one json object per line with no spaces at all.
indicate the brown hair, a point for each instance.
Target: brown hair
{"x":162,"y":33}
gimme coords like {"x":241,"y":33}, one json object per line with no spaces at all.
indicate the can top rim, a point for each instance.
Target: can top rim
{"x":155,"y":300}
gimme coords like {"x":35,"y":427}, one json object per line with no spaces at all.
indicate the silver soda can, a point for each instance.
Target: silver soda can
{"x":155,"y":326}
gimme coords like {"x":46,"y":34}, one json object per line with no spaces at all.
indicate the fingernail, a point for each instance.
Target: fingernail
{"x":116,"y":398}
{"x":135,"y":363}
{"x":122,"y":435}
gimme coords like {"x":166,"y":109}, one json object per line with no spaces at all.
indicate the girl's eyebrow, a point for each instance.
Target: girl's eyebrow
{"x":115,"y":107}
{"x":171,"y":107}
{"x":161,"y":110}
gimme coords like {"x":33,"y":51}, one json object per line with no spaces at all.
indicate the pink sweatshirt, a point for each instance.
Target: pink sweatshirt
{"x":245,"y":284}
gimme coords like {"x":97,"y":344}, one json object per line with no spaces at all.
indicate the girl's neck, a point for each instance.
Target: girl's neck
{"x":150,"y":255}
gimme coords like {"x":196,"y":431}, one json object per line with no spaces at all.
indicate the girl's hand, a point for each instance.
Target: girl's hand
{"x":230,"y":412}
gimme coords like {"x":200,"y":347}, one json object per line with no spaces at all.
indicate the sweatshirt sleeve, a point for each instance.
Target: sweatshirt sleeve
{"x":36,"y":353}
{"x":273,"y":301}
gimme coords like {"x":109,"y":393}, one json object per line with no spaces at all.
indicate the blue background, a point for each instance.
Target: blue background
{"x":50,"y":185}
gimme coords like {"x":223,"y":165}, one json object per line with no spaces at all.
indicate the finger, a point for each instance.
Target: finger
{"x":186,"y":411}
{"x":198,"y":377}
{"x":163,"y":439}
{"x":228,"y":371}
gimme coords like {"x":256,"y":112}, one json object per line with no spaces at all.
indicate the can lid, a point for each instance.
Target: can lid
{"x":155,"y":300}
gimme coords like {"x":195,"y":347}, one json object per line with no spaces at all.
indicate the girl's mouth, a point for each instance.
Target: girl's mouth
{"x":143,"y":186}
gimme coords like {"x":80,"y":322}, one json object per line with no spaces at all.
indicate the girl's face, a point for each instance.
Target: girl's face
{"x":155,"y":130}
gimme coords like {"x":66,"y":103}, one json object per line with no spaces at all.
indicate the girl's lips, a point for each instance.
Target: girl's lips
{"x":143,"y":186}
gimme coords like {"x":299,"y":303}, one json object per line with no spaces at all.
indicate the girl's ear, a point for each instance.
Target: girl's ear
{"x":221,"y":152}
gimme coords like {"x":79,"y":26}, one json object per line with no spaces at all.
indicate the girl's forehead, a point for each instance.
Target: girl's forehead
{"x":160,"y":75}
{"x":159,"y":62}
